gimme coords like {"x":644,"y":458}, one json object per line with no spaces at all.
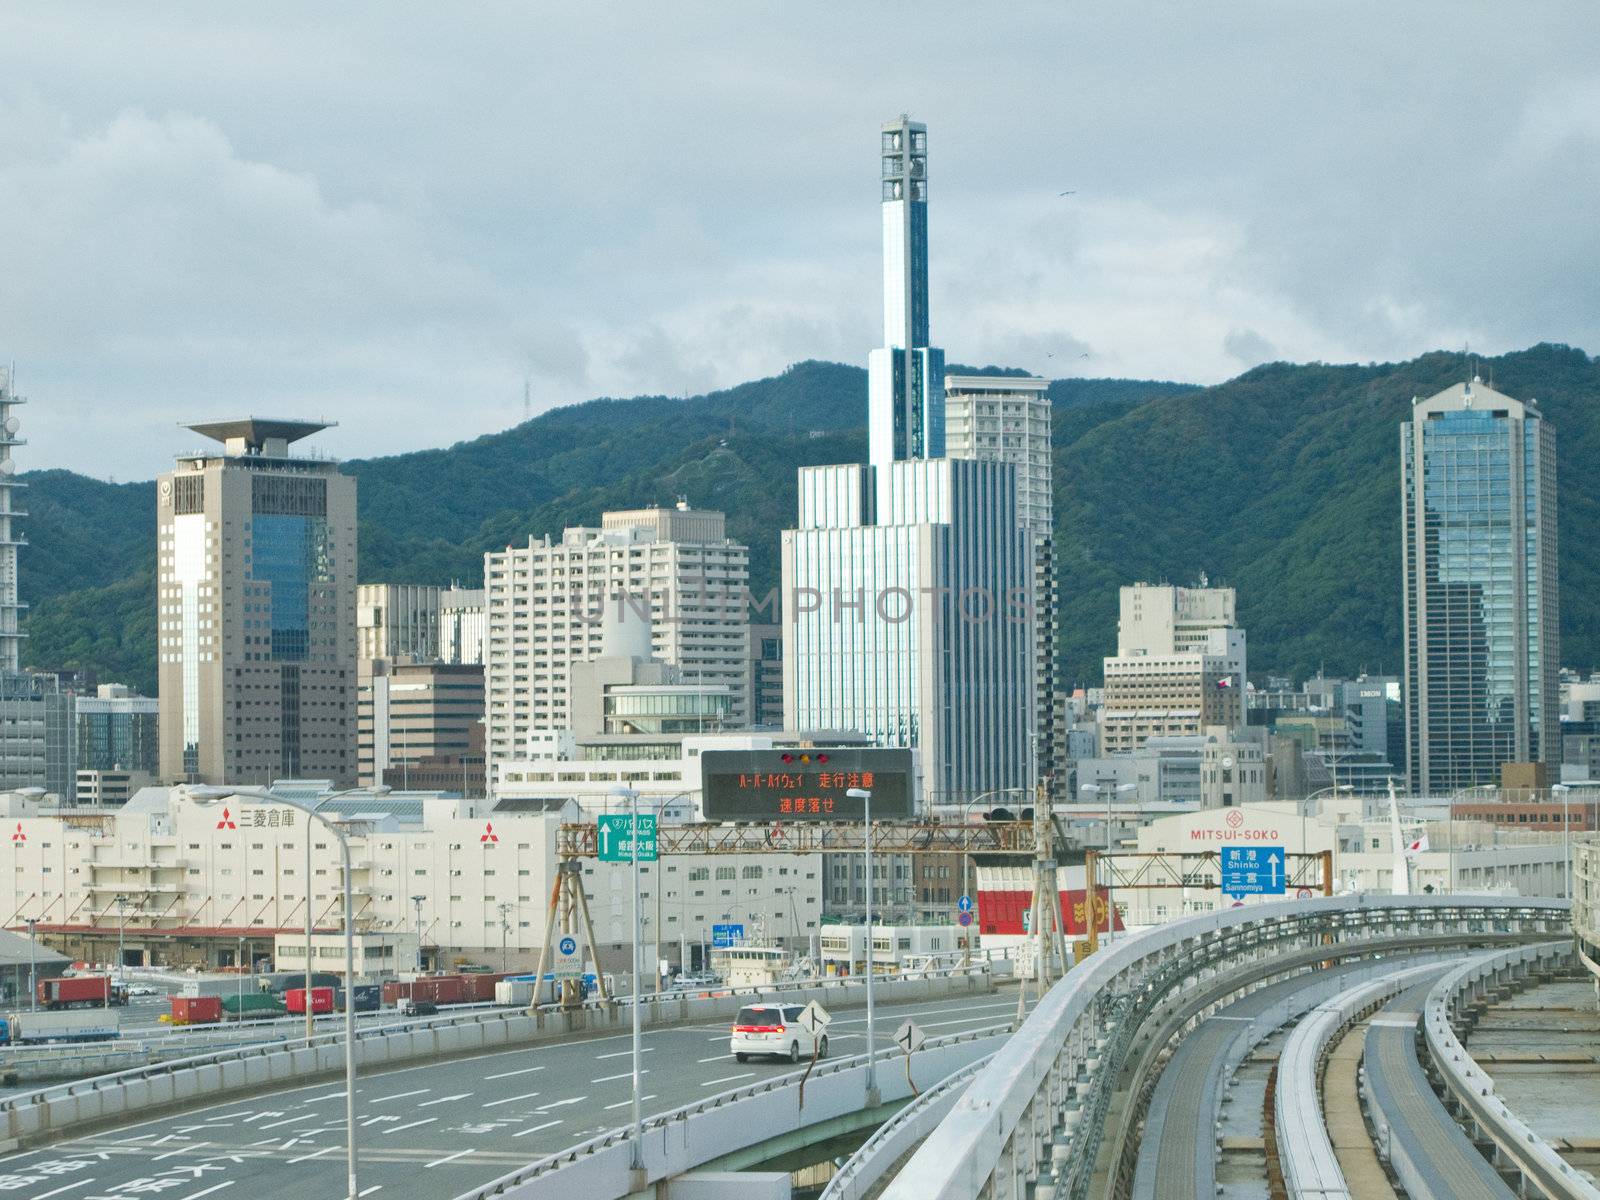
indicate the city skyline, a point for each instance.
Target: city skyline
{"x":413,"y":270}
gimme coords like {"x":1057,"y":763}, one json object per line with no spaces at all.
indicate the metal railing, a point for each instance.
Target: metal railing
{"x":621,"y":1134}
{"x":1037,"y":1113}
{"x":1470,"y":1087}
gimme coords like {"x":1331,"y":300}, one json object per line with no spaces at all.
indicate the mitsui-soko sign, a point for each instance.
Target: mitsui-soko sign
{"x":1235,"y":827}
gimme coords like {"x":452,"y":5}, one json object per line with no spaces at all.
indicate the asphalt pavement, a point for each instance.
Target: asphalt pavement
{"x":433,"y":1130}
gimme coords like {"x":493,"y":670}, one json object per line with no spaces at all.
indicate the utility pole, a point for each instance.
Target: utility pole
{"x":505,"y":929}
{"x":416,"y":902}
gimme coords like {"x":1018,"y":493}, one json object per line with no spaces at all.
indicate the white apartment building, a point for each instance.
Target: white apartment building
{"x":672,"y":568}
{"x":199,"y":868}
{"x":1179,"y":666}
{"x":395,"y":620}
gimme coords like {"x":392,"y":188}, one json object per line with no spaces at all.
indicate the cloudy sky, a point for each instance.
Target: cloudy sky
{"x":393,"y":214}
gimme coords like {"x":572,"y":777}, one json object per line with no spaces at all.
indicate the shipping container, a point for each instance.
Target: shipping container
{"x":321,"y":1000}
{"x":72,"y":1025}
{"x":196,"y":1010}
{"x":253,"y":1006}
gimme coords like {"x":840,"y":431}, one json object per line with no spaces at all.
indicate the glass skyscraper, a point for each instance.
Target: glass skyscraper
{"x":1478,"y":484}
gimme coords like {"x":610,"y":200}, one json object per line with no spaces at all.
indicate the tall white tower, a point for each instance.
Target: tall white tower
{"x":905,"y":379}
{"x":11,"y":539}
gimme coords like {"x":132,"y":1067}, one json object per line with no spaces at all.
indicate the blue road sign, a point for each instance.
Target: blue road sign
{"x":569,"y":945}
{"x":1253,"y":870}
{"x":965,"y":918}
{"x":723,"y":936}
{"x":964,"y":904}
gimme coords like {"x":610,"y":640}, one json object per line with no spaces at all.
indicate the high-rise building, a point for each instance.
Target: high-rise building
{"x":11,"y":539}
{"x":766,"y":676}
{"x":461,"y":625}
{"x":1179,"y":666}
{"x":1478,"y":485}
{"x":914,"y":625}
{"x":397,"y":620}
{"x":672,"y":574}
{"x":905,"y":378}
{"x":117,"y":730}
{"x":256,"y":610}
{"x":1006,"y":418}
{"x":415,"y":713}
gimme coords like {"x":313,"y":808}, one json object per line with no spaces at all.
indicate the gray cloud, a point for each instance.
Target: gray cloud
{"x":390,"y":215}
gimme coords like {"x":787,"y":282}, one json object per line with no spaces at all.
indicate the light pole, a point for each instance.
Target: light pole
{"x":239,"y":966}
{"x":865,"y":796}
{"x":33,"y":964}
{"x":1111,"y":791}
{"x":505,"y":929}
{"x":416,"y":902}
{"x":122,"y":926}
{"x":631,"y":795}
{"x":1305,"y":807}
{"x":1566,"y":836}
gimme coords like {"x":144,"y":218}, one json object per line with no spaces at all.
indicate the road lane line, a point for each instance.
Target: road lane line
{"x":314,"y":1154}
{"x":713,"y":1058}
{"x":444,"y":1099}
{"x":728,"y":1079}
{"x":289,"y":1121}
{"x":509,"y":1074}
{"x":629,"y":1100}
{"x":625,"y":1053}
{"x":399,"y":1096}
{"x":410,"y":1125}
{"x":439,"y":1162}
{"x":329,"y":1096}
{"x":610,"y":1078}
{"x":71,"y":1187}
{"x":536,"y":1128}
{"x":215,"y":1187}
{"x":561,"y":1103}
{"x":511,"y":1099}
{"x":377,"y":1187}
{"x":179,"y":1150}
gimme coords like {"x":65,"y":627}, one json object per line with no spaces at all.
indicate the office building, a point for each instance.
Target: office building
{"x":1179,"y":666}
{"x":912,"y":625}
{"x":397,"y":620}
{"x":766,"y":676}
{"x":426,"y":715}
{"x":107,"y":788}
{"x":905,"y":377}
{"x":461,"y":618}
{"x":36,"y":734}
{"x":117,"y":730}
{"x":1006,"y":418}
{"x":256,"y":617}
{"x":1482,"y":652}
{"x":672,"y":570}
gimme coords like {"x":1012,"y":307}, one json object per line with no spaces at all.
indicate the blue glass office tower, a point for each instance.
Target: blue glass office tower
{"x":905,"y":378}
{"x":256,"y":610}
{"x":1478,"y":482}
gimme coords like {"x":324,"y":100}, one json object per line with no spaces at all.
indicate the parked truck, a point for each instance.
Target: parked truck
{"x":321,"y":1000}
{"x":65,"y":1025}
{"x":80,"y":991}
{"x":196,"y":1010}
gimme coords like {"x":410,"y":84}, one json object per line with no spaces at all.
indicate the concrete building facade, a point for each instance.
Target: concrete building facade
{"x":256,"y":622}
{"x":461,"y":624}
{"x":398,"y":620}
{"x":409,"y":713}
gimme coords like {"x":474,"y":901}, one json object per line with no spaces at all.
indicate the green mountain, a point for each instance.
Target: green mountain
{"x":1282,"y":482}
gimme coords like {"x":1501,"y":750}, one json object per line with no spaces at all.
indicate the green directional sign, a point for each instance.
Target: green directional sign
{"x":614,"y":834}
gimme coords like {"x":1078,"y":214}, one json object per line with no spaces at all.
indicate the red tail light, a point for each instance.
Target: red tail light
{"x":758,"y":1028}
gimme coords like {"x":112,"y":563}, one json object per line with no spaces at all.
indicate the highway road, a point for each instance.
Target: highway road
{"x":430,"y":1131}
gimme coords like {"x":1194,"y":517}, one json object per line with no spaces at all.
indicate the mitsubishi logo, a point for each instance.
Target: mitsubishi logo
{"x":227,"y":821}
{"x":19,"y":836}
{"x":488,"y":834}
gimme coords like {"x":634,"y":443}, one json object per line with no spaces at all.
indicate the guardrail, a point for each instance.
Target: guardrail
{"x":1471,"y":1088}
{"x":900,"y":1133}
{"x":688,"y":1136}
{"x":44,"y":1111}
{"x":1305,"y":1151}
{"x":1036,"y":1114}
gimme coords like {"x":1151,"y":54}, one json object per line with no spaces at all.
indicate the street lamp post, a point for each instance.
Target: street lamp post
{"x":1305,"y":807}
{"x":239,"y":966}
{"x":33,"y":964}
{"x":416,"y":902}
{"x":1566,"y":837}
{"x":865,"y":796}
{"x":122,"y":927}
{"x":631,"y":795}
{"x":1111,"y":791}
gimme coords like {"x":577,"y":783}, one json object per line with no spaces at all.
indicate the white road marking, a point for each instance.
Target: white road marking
{"x":329,"y":1096}
{"x":400,"y":1096}
{"x":439,"y":1162}
{"x":70,"y":1187}
{"x":314,"y":1154}
{"x":444,"y":1099}
{"x":178,"y":1151}
{"x":411,"y":1125}
{"x":509,"y":1074}
{"x":511,"y":1099}
{"x":629,"y":1100}
{"x":368,"y":1191}
{"x":728,"y":1079}
{"x":290,"y":1120}
{"x":534,"y":1129}
{"x":713,"y":1058}
{"x":624,"y":1053}
{"x":562,"y":1103}
{"x":215,"y":1187}
{"x":610,"y":1078}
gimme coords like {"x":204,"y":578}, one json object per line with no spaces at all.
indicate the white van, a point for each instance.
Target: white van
{"x":774,"y":1029}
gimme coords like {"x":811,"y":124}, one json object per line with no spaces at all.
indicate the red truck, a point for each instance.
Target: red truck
{"x":321,"y":1000}
{"x":80,"y":991}
{"x":196,"y":1010}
